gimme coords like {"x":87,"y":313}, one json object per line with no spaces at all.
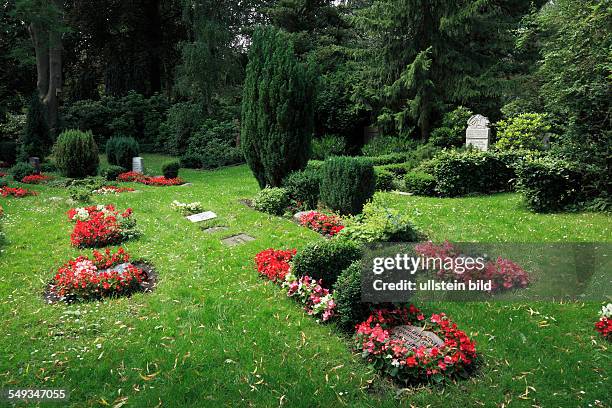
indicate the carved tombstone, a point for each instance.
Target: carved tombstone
{"x":478,"y":133}
{"x":137,"y":164}
{"x":416,"y":337}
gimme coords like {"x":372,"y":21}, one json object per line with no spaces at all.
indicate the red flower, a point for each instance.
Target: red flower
{"x":35,"y":179}
{"x":16,"y":192}
{"x":274,"y":264}
{"x":148,"y":180}
{"x":324,"y":224}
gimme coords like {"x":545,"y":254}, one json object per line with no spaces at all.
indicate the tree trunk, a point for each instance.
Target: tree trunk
{"x":40,"y":39}
{"x":51,"y":99}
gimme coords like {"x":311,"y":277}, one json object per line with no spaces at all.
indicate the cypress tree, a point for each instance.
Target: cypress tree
{"x":277,"y":108}
{"x":36,"y":139}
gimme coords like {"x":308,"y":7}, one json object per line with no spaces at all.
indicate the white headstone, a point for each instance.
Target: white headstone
{"x":478,"y":133}
{"x":203,"y":216}
{"x":137,"y":164}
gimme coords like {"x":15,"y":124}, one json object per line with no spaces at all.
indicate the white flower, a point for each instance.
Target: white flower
{"x":395,"y":362}
{"x":606,"y":311}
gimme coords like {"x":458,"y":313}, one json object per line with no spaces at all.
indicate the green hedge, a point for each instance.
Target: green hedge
{"x":347,"y":295}
{"x":76,"y":154}
{"x":325,"y":259}
{"x":347,"y":183}
{"x":303,"y":186}
{"x":120,"y":151}
{"x":420,"y":183}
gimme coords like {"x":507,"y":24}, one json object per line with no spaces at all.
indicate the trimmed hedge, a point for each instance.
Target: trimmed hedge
{"x":347,"y":295}
{"x":272,"y":200}
{"x":303,"y":186}
{"x":121,"y":150}
{"x":347,"y":183}
{"x":76,"y":154}
{"x":420,"y":183}
{"x":384,"y":179}
{"x":112,"y":172}
{"x":171,"y":169}
{"x":326,"y":260}
{"x":191,"y":161}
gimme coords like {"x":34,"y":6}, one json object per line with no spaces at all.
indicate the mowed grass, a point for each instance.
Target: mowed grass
{"x":214,"y":334}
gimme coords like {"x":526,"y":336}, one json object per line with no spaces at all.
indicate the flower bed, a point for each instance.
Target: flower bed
{"x":604,"y":325}
{"x":503,"y":273}
{"x":36,"y":179}
{"x":187,"y":208}
{"x":132,"y":176}
{"x":112,"y":190}
{"x":16,"y":192}
{"x":100,"y":225}
{"x":105,"y":274}
{"x":393,"y":355}
{"x":276,"y":266}
{"x":328,"y":225}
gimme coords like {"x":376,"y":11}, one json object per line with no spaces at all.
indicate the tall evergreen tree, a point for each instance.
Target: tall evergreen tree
{"x":36,"y":140}
{"x":277,"y":108}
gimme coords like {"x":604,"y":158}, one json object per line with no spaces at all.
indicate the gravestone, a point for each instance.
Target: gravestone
{"x":478,"y":133}
{"x":35,"y":162}
{"x":137,"y":165}
{"x":203,"y":216}
{"x":298,"y":215}
{"x":117,"y":268}
{"x":416,"y":337}
{"x":237,"y":239}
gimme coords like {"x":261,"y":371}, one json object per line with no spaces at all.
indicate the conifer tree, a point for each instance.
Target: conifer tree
{"x":36,"y":139}
{"x":277,"y":108}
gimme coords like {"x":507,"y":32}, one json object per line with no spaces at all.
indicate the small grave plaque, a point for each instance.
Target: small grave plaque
{"x":478,"y":133}
{"x":237,"y":239}
{"x":35,"y":162}
{"x":211,"y":230}
{"x":117,"y":268}
{"x":137,"y":164}
{"x":203,"y":216}
{"x":416,"y":337}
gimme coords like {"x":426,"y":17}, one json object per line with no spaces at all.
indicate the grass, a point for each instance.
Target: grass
{"x":213,"y":333}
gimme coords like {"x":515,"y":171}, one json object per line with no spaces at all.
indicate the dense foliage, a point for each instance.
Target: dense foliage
{"x":121,"y":150}
{"x":347,"y":183}
{"x":76,"y":154}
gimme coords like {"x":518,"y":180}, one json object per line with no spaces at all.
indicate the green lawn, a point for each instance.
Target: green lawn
{"x":214,"y":334}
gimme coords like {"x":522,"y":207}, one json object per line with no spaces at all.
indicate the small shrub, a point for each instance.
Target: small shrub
{"x":397,"y":169}
{"x":219,"y":154}
{"x":325,"y":260}
{"x":48,"y":167}
{"x":90,"y":183}
{"x":383,"y":145}
{"x":170,"y":170}
{"x":76,"y":154}
{"x":327,"y":146}
{"x":347,"y":293}
{"x":21,"y":170}
{"x":384,"y":180}
{"x":347,"y":183}
{"x":273,"y":200}
{"x":80,"y":194}
{"x":549,"y":184}
{"x":121,"y":150}
{"x":452,"y":131}
{"x":303,"y":187}
{"x":420,"y":183}
{"x":111,"y":173}
{"x":392,"y":158}
{"x":525,"y":131}
{"x":191,"y":161}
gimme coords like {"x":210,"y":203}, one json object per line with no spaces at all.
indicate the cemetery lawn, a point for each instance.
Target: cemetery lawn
{"x":214,"y":333}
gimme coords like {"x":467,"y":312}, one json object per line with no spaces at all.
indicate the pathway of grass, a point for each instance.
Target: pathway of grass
{"x":214,"y":333}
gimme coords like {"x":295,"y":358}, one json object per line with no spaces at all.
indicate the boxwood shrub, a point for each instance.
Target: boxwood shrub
{"x":76,"y":154}
{"x":171,"y":169}
{"x":111,"y":172}
{"x":384,"y":179}
{"x":420,"y":183}
{"x":303,"y":186}
{"x":347,"y":183}
{"x":326,"y":259}
{"x":273,"y":200}
{"x":347,"y":294}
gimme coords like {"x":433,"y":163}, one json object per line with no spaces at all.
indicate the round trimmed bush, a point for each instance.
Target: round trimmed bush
{"x":120,"y":151}
{"x":347,"y":183}
{"x":384,"y":180}
{"x":20,"y":170}
{"x":112,"y":172}
{"x":272,"y":200}
{"x":76,"y":154}
{"x":191,"y":161}
{"x":347,"y":295}
{"x":420,"y":183}
{"x":326,"y":259}
{"x":303,"y":186}
{"x":171,"y":169}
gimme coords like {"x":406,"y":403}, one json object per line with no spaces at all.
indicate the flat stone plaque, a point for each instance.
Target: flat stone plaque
{"x":211,"y":230}
{"x":203,"y":216}
{"x":118,"y":268}
{"x":237,"y":239}
{"x":416,"y":337}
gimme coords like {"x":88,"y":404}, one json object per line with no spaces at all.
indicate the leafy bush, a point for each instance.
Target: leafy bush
{"x":273,"y":200}
{"x":36,"y":139}
{"x":89,"y":183}
{"x":303,"y":186}
{"x":347,"y":294}
{"x":76,"y":154}
{"x":461,"y":173}
{"x":391,"y":158}
{"x":183,"y":120}
{"x":20,"y":170}
{"x":328,"y":145}
{"x":80,"y":194}
{"x":48,"y":167}
{"x":525,"y":131}
{"x":384,"y":179}
{"x":112,"y":172}
{"x":549,"y":184}
{"x":325,"y":260}
{"x":420,"y":183}
{"x":452,"y":131}
{"x":379,"y":223}
{"x":397,"y":169}
{"x":215,"y":143}
{"x":170,"y":170}
{"x":219,"y":154}
{"x":384,"y":145}
{"x":347,"y":183}
{"x":121,"y":150}
{"x":12,"y":129}
{"x":277,"y":119}
{"x":191,"y":161}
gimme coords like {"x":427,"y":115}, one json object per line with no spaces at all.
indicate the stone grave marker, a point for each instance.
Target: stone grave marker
{"x":237,"y":239}
{"x":298,"y":215}
{"x":35,"y":162}
{"x":203,"y":216}
{"x":137,"y":164}
{"x":211,"y":230}
{"x":416,"y":337}
{"x":478,"y":133}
